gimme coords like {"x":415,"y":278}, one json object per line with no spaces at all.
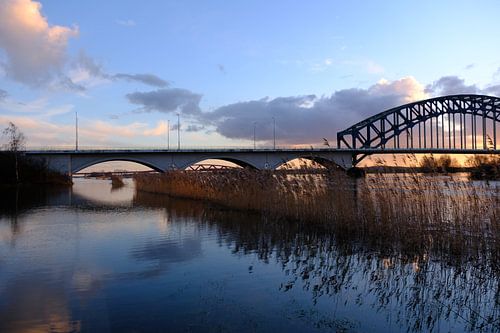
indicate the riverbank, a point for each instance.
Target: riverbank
{"x":17,"y":169}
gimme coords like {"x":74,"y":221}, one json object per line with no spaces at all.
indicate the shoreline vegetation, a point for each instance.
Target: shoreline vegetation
{"x":410,"y":211}
{"x":16,"y":169}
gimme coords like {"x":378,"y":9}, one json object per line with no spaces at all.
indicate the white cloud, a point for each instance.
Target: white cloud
{"x":159,"y":130}
{"x":41,"y":132}
{"x":35,"y":51}
{"x":408,"y":87}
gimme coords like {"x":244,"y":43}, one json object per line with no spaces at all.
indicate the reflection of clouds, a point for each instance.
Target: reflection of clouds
{"x":99,"y":191}
{"x":163,"y":251}
{"x":85,"y":282}
{"x":35,"y":307}
{"x":167,"y":250}
{"x":164,"y":222}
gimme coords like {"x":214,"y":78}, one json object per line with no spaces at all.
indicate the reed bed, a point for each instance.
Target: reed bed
{"x":426,"y":245}
{"x":413,"y":210}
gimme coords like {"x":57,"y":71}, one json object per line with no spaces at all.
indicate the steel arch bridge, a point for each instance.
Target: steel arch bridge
{"x":455,"y":124}
{"x":447,"y":124}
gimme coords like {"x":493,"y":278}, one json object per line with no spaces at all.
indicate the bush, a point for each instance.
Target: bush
{"x":484,"y":167}
{"x":27,"y":171}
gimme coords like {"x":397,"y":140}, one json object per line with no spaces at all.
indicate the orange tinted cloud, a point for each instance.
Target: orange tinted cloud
{"x":35,"y":50}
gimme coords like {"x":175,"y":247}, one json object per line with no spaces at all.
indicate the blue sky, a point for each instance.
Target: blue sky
{"x":127,"y":67}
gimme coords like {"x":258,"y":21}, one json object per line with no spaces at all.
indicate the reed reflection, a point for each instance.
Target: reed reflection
{"x":418,"y":282}
{"x":95,"y":262}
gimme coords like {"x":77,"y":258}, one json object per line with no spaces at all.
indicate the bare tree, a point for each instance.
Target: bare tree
{"x":15,"y":143}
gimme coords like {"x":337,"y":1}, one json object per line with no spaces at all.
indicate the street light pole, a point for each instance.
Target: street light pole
{"x":254,"y":126}
{"x":274,"y":133}
{"x":178,"y":131}
{"x":76,"y":130}
{"x":168,"y":134}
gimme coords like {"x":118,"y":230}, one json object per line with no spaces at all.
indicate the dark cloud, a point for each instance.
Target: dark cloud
{"x":3,"y":94}
{"x":194,"y":128}
{"x":450,"y":85}
{"x":90,"y":65}
{"x":148,"y":79}
{"x":67,"y":84}
{"x":305,"y":119}
{"x":96,"y":70}
{"x":308,"y":119}
{"x":492,"y":90}
{"x":167,"y":100}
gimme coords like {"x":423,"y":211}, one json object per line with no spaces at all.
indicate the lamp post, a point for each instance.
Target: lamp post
{"x":76,"y":130}
{"x":178,"y":131}
{"x":274,"y":133}
{"x":168,"y":134}
{"x":254,"y":127}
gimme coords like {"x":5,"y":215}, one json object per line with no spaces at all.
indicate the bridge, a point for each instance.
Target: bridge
{"x":455,"y":124}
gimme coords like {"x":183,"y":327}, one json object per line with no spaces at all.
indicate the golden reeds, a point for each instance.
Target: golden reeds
{"x":382,"y":203}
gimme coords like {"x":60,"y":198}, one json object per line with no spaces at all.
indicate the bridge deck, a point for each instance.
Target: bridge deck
{"x":295,"y":150}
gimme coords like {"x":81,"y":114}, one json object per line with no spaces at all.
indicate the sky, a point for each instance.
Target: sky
{"x":225,"y":70}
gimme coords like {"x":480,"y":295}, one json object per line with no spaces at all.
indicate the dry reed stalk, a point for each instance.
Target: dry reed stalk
{"x":420,"y":209}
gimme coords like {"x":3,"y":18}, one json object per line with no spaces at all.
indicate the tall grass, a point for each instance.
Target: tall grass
{"x":416,"y":210}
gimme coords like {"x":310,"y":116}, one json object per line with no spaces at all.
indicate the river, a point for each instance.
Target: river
{"x":96,"y":259}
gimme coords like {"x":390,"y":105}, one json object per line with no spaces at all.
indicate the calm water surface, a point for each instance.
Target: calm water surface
{"x":94,"y":259}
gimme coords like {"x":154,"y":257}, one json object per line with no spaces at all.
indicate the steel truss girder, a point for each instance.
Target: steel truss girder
{"x":376,"y":131}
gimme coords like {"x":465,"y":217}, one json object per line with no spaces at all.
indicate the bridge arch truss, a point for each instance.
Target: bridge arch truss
{"x":455,"y":122}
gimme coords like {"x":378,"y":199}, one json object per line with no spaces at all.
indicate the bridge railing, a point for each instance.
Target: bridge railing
{"x":182,"y":148}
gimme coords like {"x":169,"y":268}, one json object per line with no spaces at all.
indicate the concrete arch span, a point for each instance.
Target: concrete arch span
{"x":238,"y":161}
{"x":69,"y":162}
{"x":325,"y":162}
{"x":78,"y":166}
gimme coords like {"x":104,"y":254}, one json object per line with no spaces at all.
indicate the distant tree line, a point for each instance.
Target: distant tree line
{"x":484,"y":166}
{"x":479,"y":166}
{"x":444,"y":163}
